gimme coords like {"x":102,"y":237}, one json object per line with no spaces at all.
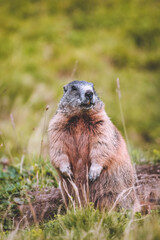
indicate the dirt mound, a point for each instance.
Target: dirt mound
{"x":48,"y":202}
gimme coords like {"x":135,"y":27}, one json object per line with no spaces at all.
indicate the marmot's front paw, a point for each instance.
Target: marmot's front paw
{"x":66,"y":170}
{"x":94,"y":171}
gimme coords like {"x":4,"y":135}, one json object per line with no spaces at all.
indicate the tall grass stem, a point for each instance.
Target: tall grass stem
{"x":122,"y":115}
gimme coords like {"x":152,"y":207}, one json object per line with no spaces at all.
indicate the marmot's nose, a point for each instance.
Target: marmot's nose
{"x":89,"y":95}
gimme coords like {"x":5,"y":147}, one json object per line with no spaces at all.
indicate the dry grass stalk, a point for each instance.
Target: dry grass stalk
{"x":43,"y":131}
{"x":122,"y":114}
{"x":70,"y":197}
{"x":74,"y":69}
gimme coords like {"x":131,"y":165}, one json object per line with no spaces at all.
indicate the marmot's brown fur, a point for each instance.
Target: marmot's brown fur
{"x":88,"y":151}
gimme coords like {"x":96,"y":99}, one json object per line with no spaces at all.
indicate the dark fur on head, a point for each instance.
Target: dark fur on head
{"x":78,"y":96}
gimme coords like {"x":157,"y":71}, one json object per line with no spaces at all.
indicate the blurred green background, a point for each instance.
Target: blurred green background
{"x":46,"y":44}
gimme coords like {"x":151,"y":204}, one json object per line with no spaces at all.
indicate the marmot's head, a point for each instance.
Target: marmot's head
{"x":78,"y":96}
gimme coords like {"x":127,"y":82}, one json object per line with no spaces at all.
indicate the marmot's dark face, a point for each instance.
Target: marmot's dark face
{"x":78,"y":95}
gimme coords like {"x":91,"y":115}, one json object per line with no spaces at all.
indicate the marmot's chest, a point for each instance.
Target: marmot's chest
{"x":80,"y":130}
{"x":79,"y":134}
{"x":77,"y":126}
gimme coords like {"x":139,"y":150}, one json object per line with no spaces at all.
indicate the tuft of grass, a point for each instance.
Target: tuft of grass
{"x":146,"y":229}
{"x":138,"y":156}
{"x":92,"y":224}
{"x":16,"y":182}
{"x":87,"y":223}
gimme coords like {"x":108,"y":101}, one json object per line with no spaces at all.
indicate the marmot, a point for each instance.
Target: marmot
{"x":88,"y":151}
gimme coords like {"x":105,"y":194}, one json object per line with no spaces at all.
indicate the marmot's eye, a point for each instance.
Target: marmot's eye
{"x":74,"y":88}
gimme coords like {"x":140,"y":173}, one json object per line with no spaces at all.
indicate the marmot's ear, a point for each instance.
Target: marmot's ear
{"x":65,"y":88}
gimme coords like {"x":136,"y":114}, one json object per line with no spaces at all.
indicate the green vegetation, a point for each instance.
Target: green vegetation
{"x":45,"y":44}
{"x":42,"y":41}
{"x":90,"y":224}
{"x":84,"y":223}
{"x":16,"y":182}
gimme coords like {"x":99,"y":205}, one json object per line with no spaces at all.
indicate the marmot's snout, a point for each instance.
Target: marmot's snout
{"x":88,"y":98}
{"x":89,"y":95}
